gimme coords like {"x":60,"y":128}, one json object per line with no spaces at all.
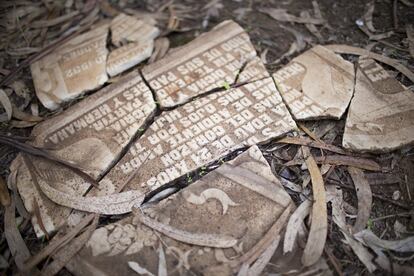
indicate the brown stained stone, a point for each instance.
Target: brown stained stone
{"x":209,"y":61}
{"x":127,"y":56}
{"x":199,"y":132}
{"x":77,"y":66}
{"x":317,"y":84}
{"x":125,"y":28}
{"x":91,"y":135}
{"x":241,"y":199}
{"x":381,"y":114}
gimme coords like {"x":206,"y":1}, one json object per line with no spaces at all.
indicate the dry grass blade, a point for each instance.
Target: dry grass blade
{"x":31,"y":150}
{"x":65,"y":254}
{"x":357,"y":162}
{"x":310,"y":143}
{"x":4,"y":193}
{"x":345,"y":49}
{"x":209,"y":240}
{"x":364,"y":195}
{"x":283,"y":16}
{"x":5,"y":102}
{"x":319,"y":228}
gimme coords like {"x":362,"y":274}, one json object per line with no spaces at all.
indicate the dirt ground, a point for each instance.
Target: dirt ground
{"x":394,"y":187}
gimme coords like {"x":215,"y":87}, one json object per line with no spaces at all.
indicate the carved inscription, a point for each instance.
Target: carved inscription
{"x":208,"y":62}
{"x":202,"y":131}
{"x":316,"y":84}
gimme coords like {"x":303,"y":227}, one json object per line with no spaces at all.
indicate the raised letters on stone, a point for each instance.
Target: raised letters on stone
{"x":77,"y":66}
{"x":201,"y":131}
{"x":381,"y":114}
{"x":316,"y":84}
{"x":91,"y":135}
{"x":209,"y":61}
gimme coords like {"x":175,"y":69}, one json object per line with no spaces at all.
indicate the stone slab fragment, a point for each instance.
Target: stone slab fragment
{"x":125,"y":28}
{"x":200,"y":132}
{"x":381,"y":114}
{"x":91,"y":135}
{"x":127,"y":56}
{"x":317,"y":84}
{"x":77,"y":66}
{"x":209,"y":61}
{"x":241,"y":199}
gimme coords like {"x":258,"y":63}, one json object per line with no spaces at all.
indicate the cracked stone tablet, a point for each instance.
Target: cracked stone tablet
{"x":91,"y":135}
{"x":317,"y":84}
{"x":211,"y":60}
{"x":241,"y":200}
{"x":200,"y":132}
{"x":381,"y":114}
{"x":125,"y":28}
{"x":77,"y":66}
{"x":127,"y":56}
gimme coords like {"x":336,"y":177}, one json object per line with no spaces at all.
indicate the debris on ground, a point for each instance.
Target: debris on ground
{"x":211,"y":138}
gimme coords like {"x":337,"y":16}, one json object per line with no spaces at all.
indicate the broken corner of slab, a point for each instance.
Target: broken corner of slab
{"x":317,"y":84}
{"x":381,"y":114}
{"x":241,"y":200}
{"x":91,"y":135}
{"x":212,"y":60}
{"x":77,"y":66}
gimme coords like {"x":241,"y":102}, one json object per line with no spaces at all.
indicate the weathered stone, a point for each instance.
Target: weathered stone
{"x":317,"y":84}
{"x":200,"y":132}
{"x":241,"y":199}
{"x":125,"y":28}
{"x":381,"y":114}
{"x":77,"y":66}
{"x":127,"y":56}
{"x":211,"y":60}
{"x":91,"y":135}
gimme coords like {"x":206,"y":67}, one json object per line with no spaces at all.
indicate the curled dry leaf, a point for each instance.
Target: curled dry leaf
{"x":319,"y":227}
{"x":364,"y":194}
{"x":345,"y":49}
{"x":5,"y":102}
{"x":209,"y":240}
{"x":370,"y":239}
{"x":368,"y":16}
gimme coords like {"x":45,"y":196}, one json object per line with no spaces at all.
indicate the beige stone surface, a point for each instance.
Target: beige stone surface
{"x":91,"y":135}
{"x":317,"y":84}
{"x":200,"y":132}
{"x":127,"y":56}
{"x":125,"y":28}
{"x":77,"y":66}
{"x":381,"y":114}
{"x":211,"y":60}
{"x":241,"y":199}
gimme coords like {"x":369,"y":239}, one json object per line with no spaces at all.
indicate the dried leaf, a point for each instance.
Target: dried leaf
{"x":310,"y":143}
{"x":4,"y":193}
{"x":18,"y":114}
{"x":410,"y":37}
{"x":161,"y":46}
{"x":283,"y":16}
{"x":39,"y":219}
{"x":311,"y":27}
{"x":139,"y":269}
{"x":294,"y":225}
{"x":368,"y":16}
{"x":319,"y":227}
{"x":364,"y":195}
{"x":5,"y":102}
{"x":370,"y":239}
{"x":261,"y":262}
{"x":162,"y":262}
{"x":344,"y":160}
{"x":345,"y":49}
{"x":209,"y":240}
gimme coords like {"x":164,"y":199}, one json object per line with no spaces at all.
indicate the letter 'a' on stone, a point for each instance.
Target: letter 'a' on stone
{"x":209,"y":61}
{"x":317,"y":84}
{"x":91,"y":135}
{"x":77,"y":66}
{"x":381,"y":114}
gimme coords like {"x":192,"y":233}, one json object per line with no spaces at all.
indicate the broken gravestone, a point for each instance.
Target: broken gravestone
{"x":200,"y":132}
{"x":212,"y":60}
{"x":381,"y":114}
{"x":90,"y":135}
{"x":317,"y":84}
{"x":77,"y":66}
{"x":230,"y":218}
